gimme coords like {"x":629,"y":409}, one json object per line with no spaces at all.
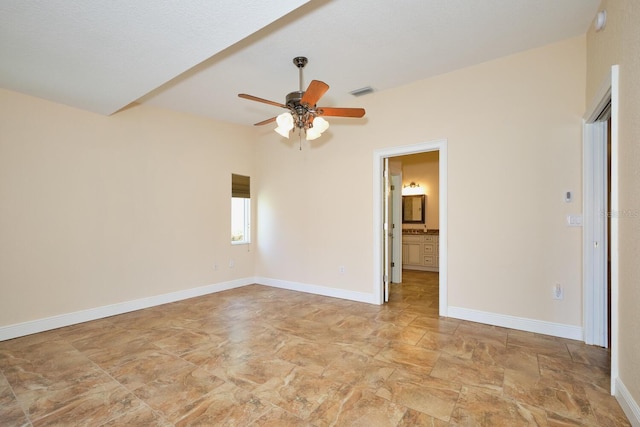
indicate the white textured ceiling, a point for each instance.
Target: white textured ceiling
{"x":102,"y":55}
{"x":196,"y":56}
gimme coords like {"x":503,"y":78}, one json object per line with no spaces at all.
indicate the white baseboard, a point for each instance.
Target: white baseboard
{"x":629,"y":406}
{"x":520,"y":323}
{"x":59,"y":321}
{"x":54,"y":322}
{"x":317,"y":290}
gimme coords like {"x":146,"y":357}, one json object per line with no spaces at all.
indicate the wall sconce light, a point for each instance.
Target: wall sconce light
{"x":412,"y":189}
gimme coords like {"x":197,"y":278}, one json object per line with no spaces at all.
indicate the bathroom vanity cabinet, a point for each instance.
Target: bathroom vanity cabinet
{"x":420,"y":251}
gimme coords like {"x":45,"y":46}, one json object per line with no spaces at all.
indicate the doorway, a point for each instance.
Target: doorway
{"x":381,"y":184}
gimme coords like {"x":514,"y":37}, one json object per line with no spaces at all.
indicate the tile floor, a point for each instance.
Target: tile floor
{"x":258,"y":356}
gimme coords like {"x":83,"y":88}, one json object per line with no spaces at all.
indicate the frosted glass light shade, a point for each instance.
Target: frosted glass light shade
{"x":285,"y":124}
{"x":319,"y":126}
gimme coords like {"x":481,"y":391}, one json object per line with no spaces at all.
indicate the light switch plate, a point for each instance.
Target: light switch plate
{"x":574,"y":220}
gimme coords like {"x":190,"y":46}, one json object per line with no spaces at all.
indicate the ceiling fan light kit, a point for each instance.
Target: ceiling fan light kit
{"x":303,"y":113}
{"x":285,"y":124}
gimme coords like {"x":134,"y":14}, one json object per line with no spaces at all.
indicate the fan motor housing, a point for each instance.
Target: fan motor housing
{"x":294,"y":104}
{"x":293,"y":99}
{"x":303,"y":114}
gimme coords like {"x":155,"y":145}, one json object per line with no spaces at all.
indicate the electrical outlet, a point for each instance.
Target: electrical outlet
{"x":232,"y":263}
{"x":558,"y":292}
{"x":341,"y":269}
{"x":215,"y":267}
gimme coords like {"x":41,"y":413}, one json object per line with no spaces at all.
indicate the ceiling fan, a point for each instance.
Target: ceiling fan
{"x":302,"y":110}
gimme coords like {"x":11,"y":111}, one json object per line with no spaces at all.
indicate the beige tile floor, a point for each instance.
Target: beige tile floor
{"x":258,"y":356}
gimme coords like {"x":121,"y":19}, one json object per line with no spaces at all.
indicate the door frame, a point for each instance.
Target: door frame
{"x":378,"y":207}
{"x":594,"y":133}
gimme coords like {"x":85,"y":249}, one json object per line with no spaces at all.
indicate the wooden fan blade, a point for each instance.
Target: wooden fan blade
{"x":265,"y":122}
{"x":265,"y":101}
{"x":314,"y":92}
{"x":341,"y":112}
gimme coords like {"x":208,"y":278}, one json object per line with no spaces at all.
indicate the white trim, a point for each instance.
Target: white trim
{"x":615,"y":206}
{"x":317,"y":290}
{"x":378,"y":158}
{"x":519,"y":323}
{"x":628,"y":405}
{"x":600,"y":99}
{"x":609,"y":90}
{"x":61,"y":320}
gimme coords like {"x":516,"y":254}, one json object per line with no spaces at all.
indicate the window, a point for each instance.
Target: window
{"x":240,"y":209}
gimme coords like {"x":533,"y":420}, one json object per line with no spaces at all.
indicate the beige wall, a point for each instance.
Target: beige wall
{"x":514,"y":134}
{"x":100,"y":210}
{"x":619,"y":43}
{"x":423,"y":169}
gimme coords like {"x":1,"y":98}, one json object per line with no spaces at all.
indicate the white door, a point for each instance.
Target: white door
{"x":387,"y":238}
{"x":596,"y":217}
{"x":396,"y":228}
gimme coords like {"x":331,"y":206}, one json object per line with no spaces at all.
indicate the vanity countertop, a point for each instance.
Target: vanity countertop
{"x":433,"y":231}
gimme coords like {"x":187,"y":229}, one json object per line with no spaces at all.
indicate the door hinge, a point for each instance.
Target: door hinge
{"x":393,"y":187}
{"x":393,"y":264}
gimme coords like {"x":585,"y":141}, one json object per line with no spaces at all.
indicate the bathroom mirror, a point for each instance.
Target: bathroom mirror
{"x":413,"y":211}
